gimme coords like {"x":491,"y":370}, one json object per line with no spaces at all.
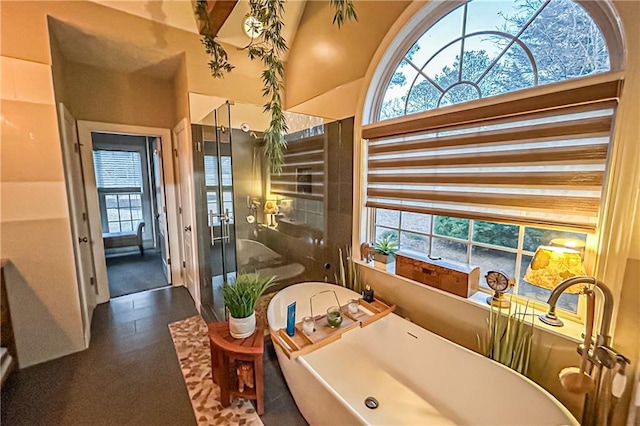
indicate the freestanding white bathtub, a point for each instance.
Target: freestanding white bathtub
{"x":417,"y":377}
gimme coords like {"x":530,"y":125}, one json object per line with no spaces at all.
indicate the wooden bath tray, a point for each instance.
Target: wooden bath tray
{"x":301,"y":343}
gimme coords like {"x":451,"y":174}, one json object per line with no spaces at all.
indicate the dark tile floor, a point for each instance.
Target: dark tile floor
{"x":134,"y":273}
{"x":129,"y":375}
{"x":279,"y":407}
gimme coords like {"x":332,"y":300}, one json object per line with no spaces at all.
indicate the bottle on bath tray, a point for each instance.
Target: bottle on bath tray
{"x":367,"y":294}
{"x":291,"y":319}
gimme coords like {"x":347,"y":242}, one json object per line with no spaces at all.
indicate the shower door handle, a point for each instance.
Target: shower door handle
{"x":225,"y":227}
{"x":211,"y":218}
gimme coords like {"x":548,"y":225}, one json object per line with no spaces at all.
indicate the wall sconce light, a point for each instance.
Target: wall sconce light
{"x":271,"y":210}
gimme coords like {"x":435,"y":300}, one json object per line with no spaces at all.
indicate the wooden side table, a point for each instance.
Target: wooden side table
{"x":225,"y":351}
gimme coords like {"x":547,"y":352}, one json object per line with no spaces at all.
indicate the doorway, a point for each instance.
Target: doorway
{"x":129,"y":180}
{"x":130,"y":198}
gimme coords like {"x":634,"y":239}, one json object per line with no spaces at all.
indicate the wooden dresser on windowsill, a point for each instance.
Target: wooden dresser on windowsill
{"x":452,"y":277}
{"x":7,"y":338}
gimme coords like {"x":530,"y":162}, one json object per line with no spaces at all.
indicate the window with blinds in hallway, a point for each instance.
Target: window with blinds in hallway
{"x":120,"y":182}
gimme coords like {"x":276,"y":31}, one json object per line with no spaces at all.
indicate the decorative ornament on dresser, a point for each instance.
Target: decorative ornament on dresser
{"x":500,"y":283}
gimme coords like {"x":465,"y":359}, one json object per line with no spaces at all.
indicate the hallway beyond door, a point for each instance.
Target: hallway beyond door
{"x":135,"y":273}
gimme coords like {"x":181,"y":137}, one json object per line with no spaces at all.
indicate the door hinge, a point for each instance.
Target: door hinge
{"x":175,"y":152}
{"x":179,"y":210}
{"x":198,"y":147}
{"x":169,"y":261}
{"x":84,"y":216}
{"x":76,"y":147}
{"x":184,"y":264}
{"x":92,"y":281}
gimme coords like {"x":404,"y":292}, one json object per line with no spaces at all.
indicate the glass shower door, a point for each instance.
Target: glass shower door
{"x":217,"y":210}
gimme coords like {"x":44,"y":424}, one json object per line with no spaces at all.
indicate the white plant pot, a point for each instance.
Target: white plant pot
{"x":241,"y":328}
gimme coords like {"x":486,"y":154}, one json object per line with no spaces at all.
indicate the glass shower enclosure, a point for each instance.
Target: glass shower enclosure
{"x":235,"y":191}
{"x":215,"y":210}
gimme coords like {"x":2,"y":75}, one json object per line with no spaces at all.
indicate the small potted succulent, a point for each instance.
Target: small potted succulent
{"x":240,"y":298}
{"x":384,"y":251}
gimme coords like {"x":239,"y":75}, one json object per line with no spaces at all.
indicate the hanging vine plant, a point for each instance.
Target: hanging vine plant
{"x":268,"y":47}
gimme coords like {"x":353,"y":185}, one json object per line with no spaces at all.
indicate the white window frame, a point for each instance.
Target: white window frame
{"x":604,"y":257}
{"x":519,"y":251}
{"x":102,"y":195}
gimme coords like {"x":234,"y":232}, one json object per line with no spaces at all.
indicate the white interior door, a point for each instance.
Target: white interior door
{"x":184,"y":166}
{"x":161,"y":208}
{"x":80,"y":228}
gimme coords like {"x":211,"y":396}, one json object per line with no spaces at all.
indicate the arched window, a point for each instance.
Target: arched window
{"x":502,"y":117}
{"x":484,"y":48}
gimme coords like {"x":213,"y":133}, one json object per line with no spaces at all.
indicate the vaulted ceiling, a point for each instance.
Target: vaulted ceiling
{"x":179,"y":14}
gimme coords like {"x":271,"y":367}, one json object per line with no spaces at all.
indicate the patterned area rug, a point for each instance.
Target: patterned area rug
{"x":192,"y":347}
{"x":261,"y":310}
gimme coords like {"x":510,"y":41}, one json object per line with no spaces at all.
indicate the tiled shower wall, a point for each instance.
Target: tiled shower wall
{"x":323,"y":226}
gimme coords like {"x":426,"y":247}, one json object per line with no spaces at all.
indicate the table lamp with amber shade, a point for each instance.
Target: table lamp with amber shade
{"x":552,"y":265}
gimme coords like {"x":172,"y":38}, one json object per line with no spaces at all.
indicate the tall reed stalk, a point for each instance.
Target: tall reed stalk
{"x":348,"y":272}
{"x":508,"y":337}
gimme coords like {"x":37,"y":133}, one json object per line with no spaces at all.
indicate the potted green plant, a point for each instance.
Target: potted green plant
{"x":240,"y":298}
{"x":384,"y":251}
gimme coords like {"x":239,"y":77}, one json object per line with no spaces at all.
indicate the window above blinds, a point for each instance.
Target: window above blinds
{"x":117,"y":169}
{"x":531,"y":160}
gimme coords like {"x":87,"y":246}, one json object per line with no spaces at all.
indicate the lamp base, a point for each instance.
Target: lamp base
{"x":551,"y":320}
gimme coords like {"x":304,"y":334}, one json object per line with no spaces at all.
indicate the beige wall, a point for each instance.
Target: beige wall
{"x":181,"y":93}
{"x":25,"y":36}
{"x":95,"y":94}
{"x":34,"y":218}
{"x":627,"y":338}
{"x":324,"y":57}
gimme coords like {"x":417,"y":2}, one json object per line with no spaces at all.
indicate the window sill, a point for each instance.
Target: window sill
{"x":571,"y":330}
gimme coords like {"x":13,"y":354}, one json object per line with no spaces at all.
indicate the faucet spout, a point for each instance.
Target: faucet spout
{"x":607,"y":310}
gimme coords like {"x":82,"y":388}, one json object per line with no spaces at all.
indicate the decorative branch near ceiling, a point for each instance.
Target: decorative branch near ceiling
{"x":268,"y":46}
{"x":216,"y":12}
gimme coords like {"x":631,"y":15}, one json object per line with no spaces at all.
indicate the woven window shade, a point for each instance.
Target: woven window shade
{"x":536,"y":160}
{"x":302,"y":173}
